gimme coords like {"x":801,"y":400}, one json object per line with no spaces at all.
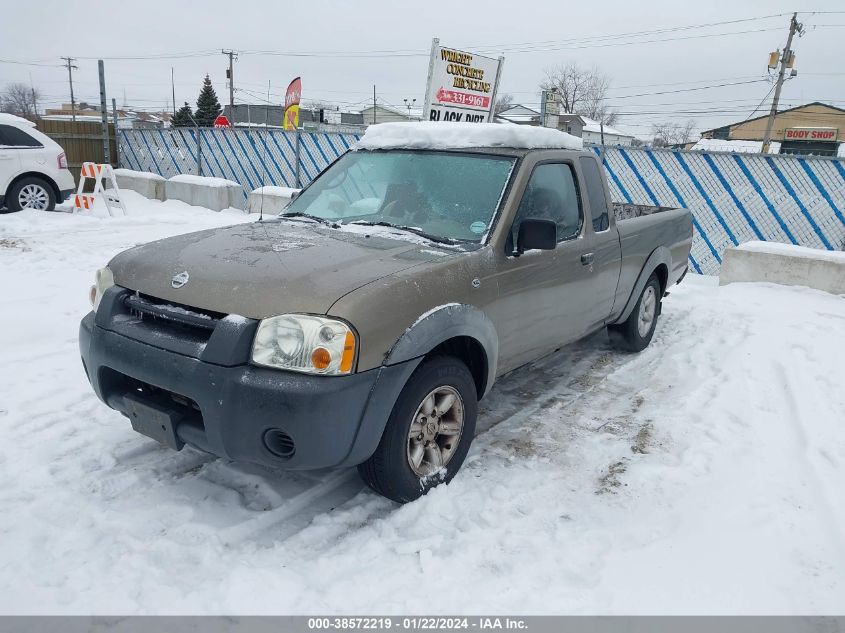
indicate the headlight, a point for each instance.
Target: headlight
{"x":301,"y":342}
{"x":102,"y":282}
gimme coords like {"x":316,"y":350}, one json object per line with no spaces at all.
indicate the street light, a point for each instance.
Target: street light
{"x":408,"y":104}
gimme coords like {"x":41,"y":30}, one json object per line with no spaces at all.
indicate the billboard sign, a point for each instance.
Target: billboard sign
{"x":461,"y":86}
{"x":292,"y":96}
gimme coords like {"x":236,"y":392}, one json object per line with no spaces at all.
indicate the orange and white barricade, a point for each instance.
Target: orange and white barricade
{"x":98,"y":173}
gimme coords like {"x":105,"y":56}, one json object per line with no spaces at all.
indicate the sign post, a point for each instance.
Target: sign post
{"x":461,"y":86}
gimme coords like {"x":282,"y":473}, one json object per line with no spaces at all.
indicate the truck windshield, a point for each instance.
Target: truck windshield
{"x":448,"y":196}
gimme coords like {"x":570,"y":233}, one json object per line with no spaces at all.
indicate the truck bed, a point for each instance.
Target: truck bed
{"x":642,"y":229}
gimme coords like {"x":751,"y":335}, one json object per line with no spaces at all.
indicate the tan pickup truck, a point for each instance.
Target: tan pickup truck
{"x":363,"y":325}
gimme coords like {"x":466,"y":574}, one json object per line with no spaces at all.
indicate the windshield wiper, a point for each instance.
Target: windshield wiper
{"x":300,"y":214}
{"x":412,"y":229}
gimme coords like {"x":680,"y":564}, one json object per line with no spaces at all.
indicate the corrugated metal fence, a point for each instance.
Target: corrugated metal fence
{"x":734,"y":198}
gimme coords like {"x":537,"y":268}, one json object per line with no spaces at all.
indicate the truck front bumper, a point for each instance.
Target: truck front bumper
{"x":280,"y":419}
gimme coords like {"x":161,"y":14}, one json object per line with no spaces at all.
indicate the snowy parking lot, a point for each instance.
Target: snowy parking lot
{"x":703,"y":475}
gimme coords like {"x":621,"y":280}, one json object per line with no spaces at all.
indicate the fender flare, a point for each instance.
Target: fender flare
{"x":660,"y":255}
{"x":440,"y":325}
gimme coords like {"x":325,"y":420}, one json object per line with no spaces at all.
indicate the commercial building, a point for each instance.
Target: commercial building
{"x":814,"y":128}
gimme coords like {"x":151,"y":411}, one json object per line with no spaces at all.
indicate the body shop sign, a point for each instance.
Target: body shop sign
{"x":461,"y":86}
{"x":810,"y":134}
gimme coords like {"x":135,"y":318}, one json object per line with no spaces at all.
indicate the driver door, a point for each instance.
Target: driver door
{"x":544,"y":296}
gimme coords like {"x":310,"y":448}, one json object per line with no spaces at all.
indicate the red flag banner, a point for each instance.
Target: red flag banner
{"x":292,"y":96}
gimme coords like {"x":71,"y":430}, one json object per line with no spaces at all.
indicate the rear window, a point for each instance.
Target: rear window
{"x":595,"y":192}
{"x":14,"y":137}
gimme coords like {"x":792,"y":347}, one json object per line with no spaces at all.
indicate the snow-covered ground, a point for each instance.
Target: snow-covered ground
{"x":704,"y":475}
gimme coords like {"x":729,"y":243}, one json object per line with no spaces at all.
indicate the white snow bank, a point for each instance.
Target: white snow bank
{"x":272,"y":190}
{"x":207,"y":181}
{"x":448,"y":135}
{"x":131,"y":173}
{"x":778,"y":248}
{"x":735,"y":145}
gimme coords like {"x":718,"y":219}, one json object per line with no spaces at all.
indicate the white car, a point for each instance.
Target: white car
{"x":33,"y":167}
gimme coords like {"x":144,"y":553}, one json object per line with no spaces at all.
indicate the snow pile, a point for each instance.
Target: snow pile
{"x":736,"y":146}
{"x":207,"y":181}
{"x":777,"y":248}
{"x":596,"y":482}
{"x":271,"y":190}
{"x":448,"y":135}
{"x":131,"y":173}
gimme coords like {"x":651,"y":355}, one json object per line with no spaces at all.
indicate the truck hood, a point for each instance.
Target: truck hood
{"x":262,"y":269}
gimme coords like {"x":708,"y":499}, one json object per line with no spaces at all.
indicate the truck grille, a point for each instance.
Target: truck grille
{"x":144,"y":306}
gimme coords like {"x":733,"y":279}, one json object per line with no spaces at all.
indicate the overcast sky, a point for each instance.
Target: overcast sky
{"x":532,"y":35}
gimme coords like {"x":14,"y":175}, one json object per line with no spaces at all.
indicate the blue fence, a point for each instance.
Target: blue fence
{"x":249,"y":157}
{"x":734,"y":198}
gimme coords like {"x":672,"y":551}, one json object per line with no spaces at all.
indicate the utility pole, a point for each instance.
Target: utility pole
{"x":173,"y":90}
{"x":70,"y":68}
{"x":105,"y":112}
{"x":116,"y":141}
{"x":230,"y":75}
{"x":374,"y":104}
{"x":786,"y":60}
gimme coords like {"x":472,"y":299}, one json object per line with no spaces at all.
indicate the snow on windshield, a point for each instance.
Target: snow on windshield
{"x":449,"y":135}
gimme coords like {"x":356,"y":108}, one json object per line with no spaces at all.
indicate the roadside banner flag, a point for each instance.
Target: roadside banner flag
{"x":292,"y":96}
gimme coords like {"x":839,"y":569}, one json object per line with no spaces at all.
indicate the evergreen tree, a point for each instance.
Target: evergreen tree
{"x":182,"y":118}
{"x":208,"y":107}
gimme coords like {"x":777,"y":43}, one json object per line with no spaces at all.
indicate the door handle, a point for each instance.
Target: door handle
{"x":587,"y":259}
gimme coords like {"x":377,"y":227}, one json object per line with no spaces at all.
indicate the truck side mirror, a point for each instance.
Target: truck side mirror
{"x":535,"y":233}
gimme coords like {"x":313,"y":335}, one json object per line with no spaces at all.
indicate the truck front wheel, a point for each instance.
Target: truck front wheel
{"x":635,"y":333}
{"x":428,"y":433}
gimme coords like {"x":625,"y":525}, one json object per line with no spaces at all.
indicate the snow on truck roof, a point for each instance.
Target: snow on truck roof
{"x":449,"y":135}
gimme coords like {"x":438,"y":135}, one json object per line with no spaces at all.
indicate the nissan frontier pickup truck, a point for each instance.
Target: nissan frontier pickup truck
{"x":362,"y":325}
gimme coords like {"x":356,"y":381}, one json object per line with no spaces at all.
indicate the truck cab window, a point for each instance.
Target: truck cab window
{"x":551,"y":194}
{"x":595,"y":192}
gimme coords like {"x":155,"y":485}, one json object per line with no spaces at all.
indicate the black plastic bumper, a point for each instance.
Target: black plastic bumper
{"x":64,"y":194}
{"x":230,"y":410}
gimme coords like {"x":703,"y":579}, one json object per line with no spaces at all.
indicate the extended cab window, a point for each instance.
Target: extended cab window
{"x":595,"y":191}
{"x":13,"y":137}
{"x":551,"y":194}
{"x":450,"y":196}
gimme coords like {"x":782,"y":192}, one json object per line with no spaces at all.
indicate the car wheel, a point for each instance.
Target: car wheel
{"x":31,"y":193}
{"x":636,"y":332}
{"x":428,"y":433}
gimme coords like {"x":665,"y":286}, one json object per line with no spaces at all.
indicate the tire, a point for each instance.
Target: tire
{"x":636,"y":332}
{"x":402,"y":468}
{"x":31,"y":193}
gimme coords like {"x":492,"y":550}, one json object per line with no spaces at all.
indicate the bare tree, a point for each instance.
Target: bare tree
{"x":672,"y":133}
{"x":580,"y":91}
{"x":18,"y":98}
{"x":503,"y":102}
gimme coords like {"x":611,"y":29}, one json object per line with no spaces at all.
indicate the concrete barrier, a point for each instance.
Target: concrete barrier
{"x":785,"y":264}
{"x":147,"y":184}
{"x":270,"y":199}
{"x":213,"y":193}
